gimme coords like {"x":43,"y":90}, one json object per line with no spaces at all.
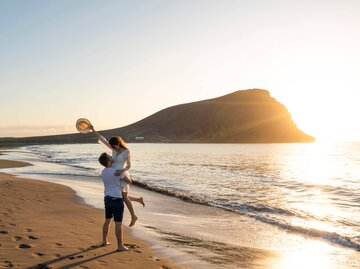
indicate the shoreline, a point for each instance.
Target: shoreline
{"x":41,"y":228}
{"x":181,"y":248}
{"x":193,"y":235}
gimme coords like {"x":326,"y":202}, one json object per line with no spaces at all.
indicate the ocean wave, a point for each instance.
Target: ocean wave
{"x":172,"y":193}
{"x":210,"y":165}
{"x":332,"y":237}
{"x":52,"y":157}
{"x":256,"y":212}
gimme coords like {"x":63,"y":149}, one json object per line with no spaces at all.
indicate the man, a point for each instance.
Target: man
{"x":114,"y":205}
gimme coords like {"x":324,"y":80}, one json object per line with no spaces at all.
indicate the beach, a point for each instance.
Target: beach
{"x":55,"y":206}
{"x":45,"y":225}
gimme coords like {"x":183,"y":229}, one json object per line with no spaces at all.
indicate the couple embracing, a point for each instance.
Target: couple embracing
{"x":116,"y":179}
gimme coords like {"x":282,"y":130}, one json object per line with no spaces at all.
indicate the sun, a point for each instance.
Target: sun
{"x":325,"y":121}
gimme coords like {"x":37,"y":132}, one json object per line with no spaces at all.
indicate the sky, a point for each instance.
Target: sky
{"x":116,"y":62}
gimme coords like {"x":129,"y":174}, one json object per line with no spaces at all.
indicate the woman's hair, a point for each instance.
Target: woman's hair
{"x":117,"y":140}
{"x":103,"y":159}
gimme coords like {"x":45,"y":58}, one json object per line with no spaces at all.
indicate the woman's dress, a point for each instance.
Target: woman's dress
{"x":120,"y":162}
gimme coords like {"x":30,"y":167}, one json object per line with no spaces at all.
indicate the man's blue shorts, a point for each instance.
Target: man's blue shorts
{"x":114,"y":207}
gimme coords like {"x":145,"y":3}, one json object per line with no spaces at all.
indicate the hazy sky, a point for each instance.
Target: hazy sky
{"x":116,"y":62}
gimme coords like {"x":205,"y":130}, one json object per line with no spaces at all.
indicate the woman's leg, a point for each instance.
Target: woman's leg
{"x":137,"y":199}
{"x":130,"y":208}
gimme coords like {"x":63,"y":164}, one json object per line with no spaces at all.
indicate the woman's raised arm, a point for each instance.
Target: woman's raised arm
{"x":100,"y":137}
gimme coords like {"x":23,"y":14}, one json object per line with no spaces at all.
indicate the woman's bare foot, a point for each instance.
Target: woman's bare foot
{"x":104,"y":244}
{"x":122,"y":248}
{"x":133,"y":220}
{"x":141,"y":201}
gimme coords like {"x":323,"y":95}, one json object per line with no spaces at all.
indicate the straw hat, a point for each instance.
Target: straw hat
{"x":83,"y":125}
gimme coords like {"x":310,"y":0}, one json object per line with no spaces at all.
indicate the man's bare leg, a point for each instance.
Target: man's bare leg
{"x":106,"y":232}
{"x":130,"y":208}
{"x":119,"y":236}
{"x":137,"y":199}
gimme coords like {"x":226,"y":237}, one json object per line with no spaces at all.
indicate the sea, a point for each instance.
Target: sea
{"x":294,"y":205}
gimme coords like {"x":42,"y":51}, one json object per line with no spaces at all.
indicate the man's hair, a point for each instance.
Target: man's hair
{"x":117,"y":141}
{"x":103,"y":159}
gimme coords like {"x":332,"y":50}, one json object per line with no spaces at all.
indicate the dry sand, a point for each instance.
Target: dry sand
{"x":44,"y":225}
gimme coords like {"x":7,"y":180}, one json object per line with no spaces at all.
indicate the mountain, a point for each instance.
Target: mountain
{"x":247,"y":116}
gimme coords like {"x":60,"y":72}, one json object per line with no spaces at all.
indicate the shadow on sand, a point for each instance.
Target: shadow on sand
{"x":73,"y":256}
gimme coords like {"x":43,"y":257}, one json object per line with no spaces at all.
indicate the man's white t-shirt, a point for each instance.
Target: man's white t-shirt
{"x":112,"y":183}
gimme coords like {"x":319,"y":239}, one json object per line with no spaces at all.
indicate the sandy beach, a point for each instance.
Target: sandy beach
{"x":44,"y":225}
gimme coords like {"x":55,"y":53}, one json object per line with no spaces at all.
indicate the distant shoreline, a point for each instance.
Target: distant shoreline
{"x":15,"y":145}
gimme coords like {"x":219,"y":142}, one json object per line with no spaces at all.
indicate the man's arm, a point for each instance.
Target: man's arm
{"x":118,"y":173}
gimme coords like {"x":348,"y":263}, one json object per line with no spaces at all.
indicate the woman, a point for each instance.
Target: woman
{"x":121,"y":157}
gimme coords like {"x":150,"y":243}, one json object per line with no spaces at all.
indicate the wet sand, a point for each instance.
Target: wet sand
{"x":44,"y":225}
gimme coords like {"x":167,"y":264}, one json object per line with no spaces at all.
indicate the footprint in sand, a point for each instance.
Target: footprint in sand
{"x":59,"y":244}
{"x":12,"y":224}
{"x":28,"y":230}
{"x":24,"y":246}
{"x":2,"y":230}
{"x":94,"y":247}
{"x":33,"y":237}
{"x":165,"y":267}
{"x":76,"y":257}
{"x":39,"y":254}
{"x":8,"y":264}
{"x":17,"y":238}
{"x":137,"y":251}
{"x":131,"y":246}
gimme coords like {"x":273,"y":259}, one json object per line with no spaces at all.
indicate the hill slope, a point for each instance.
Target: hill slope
{"x":248,"y":116}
